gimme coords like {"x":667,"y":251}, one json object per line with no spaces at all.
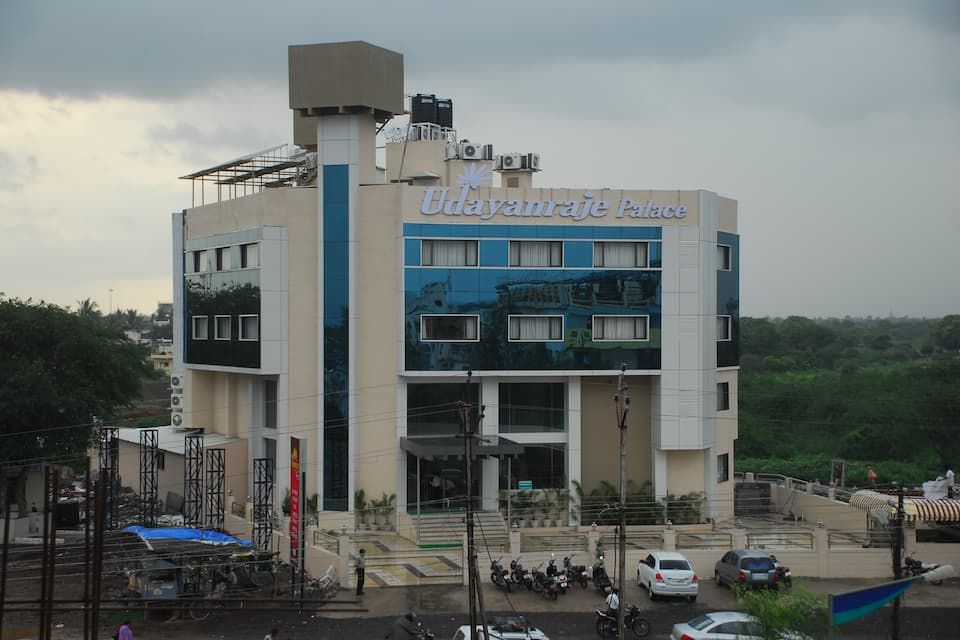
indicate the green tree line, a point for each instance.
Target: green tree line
{"x":884,"y":392}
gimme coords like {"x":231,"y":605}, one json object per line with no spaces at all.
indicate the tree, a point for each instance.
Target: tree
{"x":946,"y":333}
{"x":87,"y":308}
{"x":779,"y":613}
{"x":59,"y":369}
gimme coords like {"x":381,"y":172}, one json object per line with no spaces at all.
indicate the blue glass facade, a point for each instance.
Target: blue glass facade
{"x":336,"y":299}
{"x":728,"y":301}
{"x":494,"y":291}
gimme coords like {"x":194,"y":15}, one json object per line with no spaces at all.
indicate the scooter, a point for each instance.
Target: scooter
{"x":558,"y":577}
{"x":600,"y":578}
{"x":519,"y":575}
{"x":918,"y":568}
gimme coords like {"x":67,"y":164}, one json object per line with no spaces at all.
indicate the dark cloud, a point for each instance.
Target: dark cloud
{"x":169,"y":49}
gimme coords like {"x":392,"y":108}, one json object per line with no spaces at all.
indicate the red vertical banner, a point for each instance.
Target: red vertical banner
{"x":295,"y":502}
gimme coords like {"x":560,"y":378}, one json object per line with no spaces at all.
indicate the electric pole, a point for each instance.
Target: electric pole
{"x":473,"y":582}
{"x":897,"y":563}
{"x":623,"y":408}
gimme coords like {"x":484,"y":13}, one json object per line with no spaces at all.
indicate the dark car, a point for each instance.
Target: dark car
{"x":747,"y":568}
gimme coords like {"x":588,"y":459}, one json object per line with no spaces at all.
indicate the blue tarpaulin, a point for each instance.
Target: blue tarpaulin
{"x":181,"y":533}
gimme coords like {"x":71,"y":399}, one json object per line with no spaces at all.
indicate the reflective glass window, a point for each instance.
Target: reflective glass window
{"x":532,"y":407}
{"x":723,"y":328}
{"x":221,"y":329}
{"x":536,"y":328}
{"x":544,"y":465}
{"x":270,"y":404}
{"x":724,"y":258}
{"x":723,"y":396}
{"x":200,"y":327}
{"x":249,"y":327}
{"x":432,"y":408}
{"x":450,"y":328}
{"x":248,"y":256}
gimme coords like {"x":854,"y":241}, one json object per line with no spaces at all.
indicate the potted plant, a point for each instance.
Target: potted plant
{"x":384,"y":510}
{"x":360,"y":510}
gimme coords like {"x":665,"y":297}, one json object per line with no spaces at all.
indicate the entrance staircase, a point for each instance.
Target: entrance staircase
{"x":442,"y":529}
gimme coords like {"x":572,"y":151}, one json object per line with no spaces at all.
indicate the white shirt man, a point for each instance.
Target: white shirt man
{"x":950,"y":483}
{"x":613,"y":603}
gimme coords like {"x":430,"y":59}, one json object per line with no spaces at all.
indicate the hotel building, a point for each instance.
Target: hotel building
{"x":329,"y":294}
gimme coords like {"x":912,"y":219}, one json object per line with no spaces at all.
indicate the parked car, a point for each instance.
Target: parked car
{"x":504,"y":628}
{"x":746,"y":567}
{"x":725,"y":625}
{"x":667,"y":573}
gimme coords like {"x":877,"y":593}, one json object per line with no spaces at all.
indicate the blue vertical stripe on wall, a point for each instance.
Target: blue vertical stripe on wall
{"x":336,"y":299}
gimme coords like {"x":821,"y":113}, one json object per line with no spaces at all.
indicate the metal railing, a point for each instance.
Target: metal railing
{"x":780,"y":540}
{"x":705,"y":540}
{"x":637,"y":540}
{"x":562,"y":543}
{"x":326,"y":541}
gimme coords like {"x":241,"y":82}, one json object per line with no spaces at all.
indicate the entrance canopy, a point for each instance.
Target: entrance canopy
{"x":915,"y":509}
{"x":452,"y":447}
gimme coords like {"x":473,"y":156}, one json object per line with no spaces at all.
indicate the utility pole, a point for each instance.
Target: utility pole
{"x":623,"y":408}
{"x":473,"y":583}
{"x":897,"y":564}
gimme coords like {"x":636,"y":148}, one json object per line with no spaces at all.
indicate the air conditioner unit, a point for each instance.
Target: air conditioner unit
{"x":176,"y":381}
{"x":497,"y":163}
{"x":453,"y":152}
{"x":532,"y":161}
{"x":510,"y":162}
{"x":471,"y":151}
{"x":176,"y":400}
{"x":176,"y":420}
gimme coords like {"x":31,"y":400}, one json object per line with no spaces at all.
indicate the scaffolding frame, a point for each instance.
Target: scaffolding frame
{"x":215,"y":487}
{"x":109,"y":461}
{"x":193,"y":480}
{"x":263,"y":503}
{"x":148,"y":477}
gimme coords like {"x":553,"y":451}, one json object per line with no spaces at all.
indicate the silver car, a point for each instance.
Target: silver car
{"x":747,"y":568}
{"x":726,"y":625}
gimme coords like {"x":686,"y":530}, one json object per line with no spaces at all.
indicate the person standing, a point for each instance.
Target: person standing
{"x":361,"y":569}
{"x":871,"y":478}
{"x":613,"y":604}
{"x":949,"y":477}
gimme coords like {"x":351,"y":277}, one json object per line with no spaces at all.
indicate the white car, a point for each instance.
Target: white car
{"x":725,"y":625}
{"x":504,"y":628}
{"x":667,"y":573}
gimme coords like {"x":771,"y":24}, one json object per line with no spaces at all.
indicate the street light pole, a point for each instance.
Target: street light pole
{"x":623,"y":408}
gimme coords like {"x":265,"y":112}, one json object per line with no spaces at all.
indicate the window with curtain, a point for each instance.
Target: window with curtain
{"x":536,"y":253}
{"x":199,"y":261}
{"x":620,"y":328}
{"x":620,"y":255}
{"x":448,"y":253}
{"x":536,"y":328}
{"x":249,"y":327}
{"x":450,"y":328}
{"x":724,"y":257}
{"x":221,"y":328}
{"x":248,"y":256}
{"x":199,"y":327}
{"x":223,"y":258}
{"x":723,"y":328}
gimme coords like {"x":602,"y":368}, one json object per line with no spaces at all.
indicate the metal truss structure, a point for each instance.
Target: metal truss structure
{"x":109,"y":476}
{"x":193,"y":480}
{"x":263,"y":473}
{"x":149,"y":452}
{"x":215,"y":488}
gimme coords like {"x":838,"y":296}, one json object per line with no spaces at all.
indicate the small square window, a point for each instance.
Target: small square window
{"x":200,"y":330}
{"x":448,"y":253}
{"x":723,"y":467}
{"x":723,"y":328}
{"x":536,"y":253}
{"x":536,"y":328}
{"x":724,"y":257}
{"x":199,"y":261}
{"x":449,"y":328}
{"x":620,"y":328}
{"x":222,"y":328}
{"x":249,"y":328}
{"x":723,"y":396}
{"x":249,"y":256}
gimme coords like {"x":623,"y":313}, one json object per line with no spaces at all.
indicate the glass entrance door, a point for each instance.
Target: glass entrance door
{"x":435,"y":486}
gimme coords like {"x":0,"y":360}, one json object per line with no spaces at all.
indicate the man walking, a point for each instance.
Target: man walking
{"x":871,"y":478}
{"x":125,"y":632}
{"x":361,"y":568}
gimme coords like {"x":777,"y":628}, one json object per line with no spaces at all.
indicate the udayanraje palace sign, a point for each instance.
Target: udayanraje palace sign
{"x":438,"y":201}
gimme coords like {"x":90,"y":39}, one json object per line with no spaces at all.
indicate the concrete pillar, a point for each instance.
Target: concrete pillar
{"x":821,"y":543}
{"x":739,"y":538}
{"x":516,"y":542}
{"x":669,"y":540}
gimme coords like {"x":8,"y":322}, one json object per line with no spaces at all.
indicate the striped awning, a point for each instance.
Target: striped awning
{"x":943,"y":510}
{"x":868,"y":500}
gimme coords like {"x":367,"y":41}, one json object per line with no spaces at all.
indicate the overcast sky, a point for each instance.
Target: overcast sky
{"x":836,"y":125}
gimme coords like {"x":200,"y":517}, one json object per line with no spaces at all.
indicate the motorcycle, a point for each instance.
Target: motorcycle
{"x":539,"y":579}
{"x":918,"y":568}
{"x":559,"y":577}
{"x":576,"y":572}
{"x":600,"y":578}
{"x":783,"y":573}
{"x":519,"y":575}
{"x":607,"y":625}
{"x":499,"y":575}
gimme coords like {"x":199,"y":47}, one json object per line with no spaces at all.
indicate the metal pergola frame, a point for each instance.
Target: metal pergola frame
{"x":274,"y":167}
